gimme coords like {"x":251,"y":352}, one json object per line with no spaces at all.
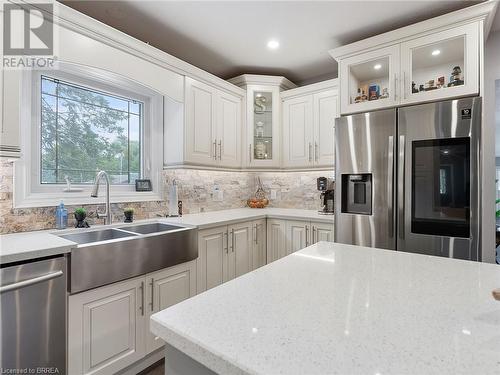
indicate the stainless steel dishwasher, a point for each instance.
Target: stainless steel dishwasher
{"x":33,"y":316}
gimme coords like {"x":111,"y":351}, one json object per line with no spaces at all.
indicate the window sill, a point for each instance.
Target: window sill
{"x":82,"y":198}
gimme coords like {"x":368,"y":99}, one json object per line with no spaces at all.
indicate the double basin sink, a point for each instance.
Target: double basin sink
{"x":110,"y":255}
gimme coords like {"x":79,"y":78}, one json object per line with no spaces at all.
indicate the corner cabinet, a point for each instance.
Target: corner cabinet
{"x":309,"y":128}
{"x":437,"y":59}
{"x":263,"y":119}
{"x":109,"y":325}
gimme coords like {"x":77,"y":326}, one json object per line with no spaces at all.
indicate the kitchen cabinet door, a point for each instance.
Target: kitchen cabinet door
{"x":228,"y":139}
{"x":106,"y":328}
{"x":376,"y":68}
{"x":325,"y":111}
{"x":240,"y":250}
{"x":263,"y":126}
{"x":276,"y":239}
{"x":430,"y":61}
{"x":297,"y":235}
{"x":298,"y":132}
{"x":322,"y":232}
{"x":212,"y":247}
{"x":10,"y":138}
{"x":259,"y":244}
{"x":165,"y":288}
{"x":200,"y":132}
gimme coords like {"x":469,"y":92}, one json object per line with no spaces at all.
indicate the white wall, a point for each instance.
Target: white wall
{"x":491,"y":73}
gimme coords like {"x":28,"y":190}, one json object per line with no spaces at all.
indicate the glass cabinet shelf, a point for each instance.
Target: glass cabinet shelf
{"x":263,"y":125}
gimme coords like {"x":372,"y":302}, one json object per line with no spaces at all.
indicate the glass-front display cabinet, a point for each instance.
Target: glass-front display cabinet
{"x":369,"y":80}
{"x":441,"y":65}
{"x":263,"y":135}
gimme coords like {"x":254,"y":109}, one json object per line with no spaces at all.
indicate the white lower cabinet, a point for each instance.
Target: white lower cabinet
{"x":165,"y":288}
{"x":109,"y":326}
{"x":276,"y":239}
{"x":230,"y":251}
{"x":259,"y":248}
{"x":287,"y":236}
{"x":321,"y":232}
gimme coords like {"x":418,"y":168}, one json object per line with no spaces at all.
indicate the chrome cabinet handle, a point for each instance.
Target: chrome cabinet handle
{"x":215,"y":149}
{"x":152,"y":294}
{"x":401,"y":185}
{"x":310,"y":157}
{"x":142,"y":298}
{"x":405,"y":88}
{"x":316,"y":154}
{"x":314,"y":235}
{"x":250,"y":152}
{"x":232,"y":240}
{"x":227,"y":243}
{"x":395,"y":87}
{"x":35,"y":280}
{"x":307,"y":231}
{"x":255,"y":233}
{"x":390,"y":183}
{"x":220,"y":149}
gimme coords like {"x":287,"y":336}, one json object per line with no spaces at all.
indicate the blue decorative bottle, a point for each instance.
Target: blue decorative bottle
{"x":61,"y":216}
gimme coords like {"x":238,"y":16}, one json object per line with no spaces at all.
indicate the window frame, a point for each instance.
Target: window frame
{"x":30,"y":192}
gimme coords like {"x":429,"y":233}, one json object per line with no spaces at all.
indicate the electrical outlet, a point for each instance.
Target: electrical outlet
{"x":273,"y":194}
{"x":217,"y":194}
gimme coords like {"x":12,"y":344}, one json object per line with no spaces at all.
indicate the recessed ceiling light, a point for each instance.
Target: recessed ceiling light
{"x":436,"y":52}
{"x":273,"y":44}
{"x":377,"y":66}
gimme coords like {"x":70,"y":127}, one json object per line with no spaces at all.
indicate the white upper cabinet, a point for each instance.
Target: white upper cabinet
{"x":436,"y":59}
{"x":369,"y":80}
{"x":212,"y":129}
{"x":309,"y":125}
{"x":10,"y":145}
{"x":298,"y":137}
{"x":441,"y":65}
{"x":325,"y":110}
{"x":200,"y":123}
{"x":228,"y":136}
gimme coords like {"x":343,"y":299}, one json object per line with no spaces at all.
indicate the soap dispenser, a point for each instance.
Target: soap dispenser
{"x":61,"y":216}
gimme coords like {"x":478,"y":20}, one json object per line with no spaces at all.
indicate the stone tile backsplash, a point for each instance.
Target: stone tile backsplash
{"x":195,"y":189}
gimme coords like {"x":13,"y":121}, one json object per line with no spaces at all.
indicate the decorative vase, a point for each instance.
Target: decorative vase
{"x":129,"y":217}
{"x":80,"y":220}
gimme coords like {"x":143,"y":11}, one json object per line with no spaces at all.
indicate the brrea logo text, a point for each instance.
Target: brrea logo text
{"x":28,"y":35}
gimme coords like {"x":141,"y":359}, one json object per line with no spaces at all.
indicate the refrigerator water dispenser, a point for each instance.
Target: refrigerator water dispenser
{"x":357,"y":193}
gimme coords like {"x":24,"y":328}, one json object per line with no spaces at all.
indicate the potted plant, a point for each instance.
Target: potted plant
{"x":80,"y":215}
{"x":129,"y":215}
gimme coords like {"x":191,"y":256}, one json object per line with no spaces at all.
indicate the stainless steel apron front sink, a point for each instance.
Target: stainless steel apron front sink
{"x":109,"y":255}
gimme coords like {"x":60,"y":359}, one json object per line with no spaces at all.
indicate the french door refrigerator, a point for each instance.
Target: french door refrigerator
{"x":408,"y":179}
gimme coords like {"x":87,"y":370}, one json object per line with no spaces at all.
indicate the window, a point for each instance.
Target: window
{"x":84,"y":130}
{"x":76,"y":120}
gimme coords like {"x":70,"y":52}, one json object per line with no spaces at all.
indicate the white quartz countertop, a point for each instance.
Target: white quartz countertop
{"x":342,"y":309}
{"x":31,"y":245}
{"x":215,"y":218}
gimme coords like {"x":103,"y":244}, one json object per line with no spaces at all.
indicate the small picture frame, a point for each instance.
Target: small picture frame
{"x":143,"y":185}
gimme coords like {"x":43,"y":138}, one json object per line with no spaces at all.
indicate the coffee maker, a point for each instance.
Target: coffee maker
{"x":326,"y":186}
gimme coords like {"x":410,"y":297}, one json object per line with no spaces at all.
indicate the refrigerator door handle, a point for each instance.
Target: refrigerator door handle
{"x":390,"y":185}
{"x":401,"y":187}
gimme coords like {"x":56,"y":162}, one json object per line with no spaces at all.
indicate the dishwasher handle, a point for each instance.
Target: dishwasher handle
{"x":35,"y":280}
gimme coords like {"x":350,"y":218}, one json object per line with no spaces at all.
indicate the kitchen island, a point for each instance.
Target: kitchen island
{"x":341,"y":309}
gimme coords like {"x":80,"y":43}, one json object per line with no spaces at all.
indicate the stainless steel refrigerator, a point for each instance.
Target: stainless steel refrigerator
{"x":408,"y":179}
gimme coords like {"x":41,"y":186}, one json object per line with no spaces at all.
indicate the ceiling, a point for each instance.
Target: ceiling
{"x":228,"y":38}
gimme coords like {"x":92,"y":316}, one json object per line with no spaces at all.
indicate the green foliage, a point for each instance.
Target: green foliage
{"x":90,"y":136}
{"x":80,"y":211}
{"x":128,"y":210}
